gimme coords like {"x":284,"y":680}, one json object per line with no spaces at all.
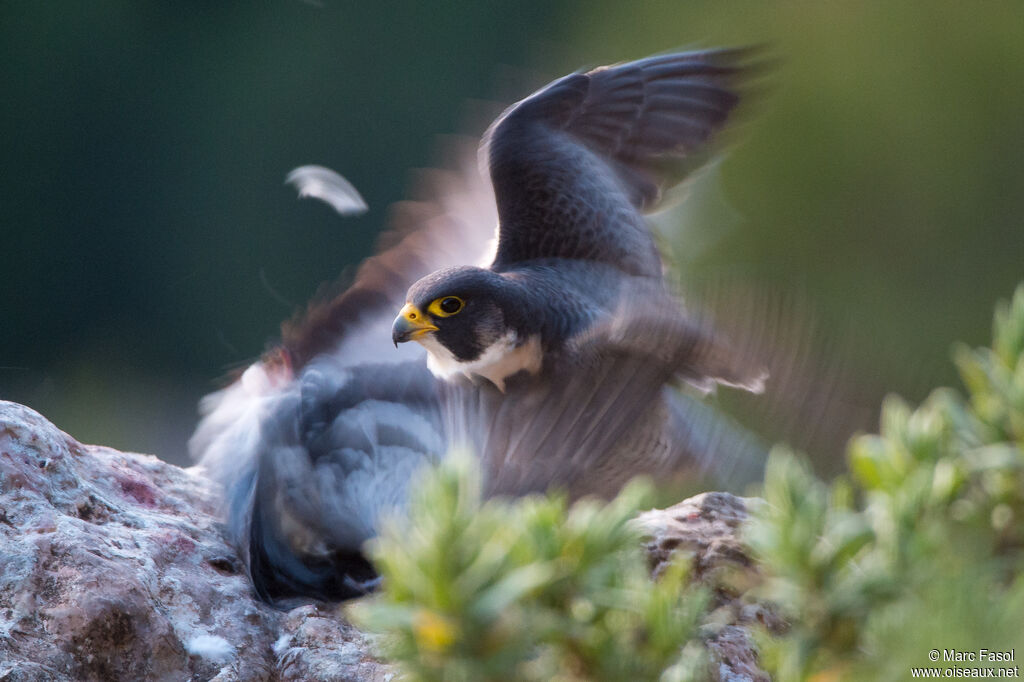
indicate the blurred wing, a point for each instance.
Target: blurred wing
{"x":814,"y":398}
{"x":612,"y":413}
{"x":453,"y":224}
{"x":576,"y":164}
{"x":684,"y":344}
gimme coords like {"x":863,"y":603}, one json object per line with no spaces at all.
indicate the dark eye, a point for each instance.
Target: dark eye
{"x":445,"y":307}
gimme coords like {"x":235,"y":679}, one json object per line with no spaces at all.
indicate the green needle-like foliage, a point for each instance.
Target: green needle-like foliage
{"x":530,"y":589}
{"x":929,"y":555}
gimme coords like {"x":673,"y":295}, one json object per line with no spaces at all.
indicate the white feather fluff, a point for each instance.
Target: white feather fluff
{"x":327,"y":186}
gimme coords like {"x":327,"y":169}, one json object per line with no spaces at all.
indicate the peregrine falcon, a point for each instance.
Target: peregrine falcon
{"x":554,"y":364}
{"x":574,"y":167}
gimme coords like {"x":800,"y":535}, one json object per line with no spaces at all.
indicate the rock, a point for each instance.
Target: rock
{"x":115,"y":568}
{"x":706,"y":528}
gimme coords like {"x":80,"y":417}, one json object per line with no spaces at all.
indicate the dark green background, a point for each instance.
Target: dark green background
{"x":149,"y":243}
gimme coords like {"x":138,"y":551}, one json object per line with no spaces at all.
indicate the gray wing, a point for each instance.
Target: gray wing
{"x":575,"y":165}
{"x":611,"y":412}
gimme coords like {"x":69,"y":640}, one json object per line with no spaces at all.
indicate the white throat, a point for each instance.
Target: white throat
{"x":499,"y":361}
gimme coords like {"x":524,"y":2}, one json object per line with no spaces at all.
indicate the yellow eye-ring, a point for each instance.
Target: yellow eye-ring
{"x":446,"y":306}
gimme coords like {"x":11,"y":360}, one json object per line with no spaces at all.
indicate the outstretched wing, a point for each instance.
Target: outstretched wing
{"x":575,"y":165}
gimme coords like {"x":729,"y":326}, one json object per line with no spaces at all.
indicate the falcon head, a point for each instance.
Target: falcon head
{"x":470,"y":321}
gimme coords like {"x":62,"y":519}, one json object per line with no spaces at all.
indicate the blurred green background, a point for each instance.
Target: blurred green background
{"x":150,"y":245}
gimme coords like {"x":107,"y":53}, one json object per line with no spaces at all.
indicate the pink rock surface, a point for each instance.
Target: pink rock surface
{"x":113,"y":566}
{"x":707,"y":529}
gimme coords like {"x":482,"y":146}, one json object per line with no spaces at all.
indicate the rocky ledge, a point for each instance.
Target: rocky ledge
{"x":115,"y":567}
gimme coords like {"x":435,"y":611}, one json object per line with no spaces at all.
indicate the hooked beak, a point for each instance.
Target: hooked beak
{"x":410,"y":324}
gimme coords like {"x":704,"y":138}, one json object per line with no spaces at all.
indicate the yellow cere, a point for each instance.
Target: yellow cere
{"x":416,"y":320}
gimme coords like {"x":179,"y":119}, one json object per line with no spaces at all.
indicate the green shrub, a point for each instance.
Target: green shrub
{"x":530,"y":589}
{"x":920,"y":547}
